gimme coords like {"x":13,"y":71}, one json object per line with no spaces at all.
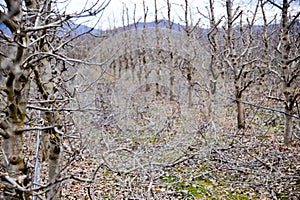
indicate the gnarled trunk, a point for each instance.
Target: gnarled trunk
{"x":11,"y":126}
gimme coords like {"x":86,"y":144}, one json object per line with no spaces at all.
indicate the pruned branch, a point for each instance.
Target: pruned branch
{"x":275,"y":98}
{"x":13,"y":182}
{"x":293,"y":59}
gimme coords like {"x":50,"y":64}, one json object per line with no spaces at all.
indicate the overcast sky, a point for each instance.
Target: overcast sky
{"x":112,"y":15}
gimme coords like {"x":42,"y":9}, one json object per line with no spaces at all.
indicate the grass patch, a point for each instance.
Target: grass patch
{"x":204,"y":189}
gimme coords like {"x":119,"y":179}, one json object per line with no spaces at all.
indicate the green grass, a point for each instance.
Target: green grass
{"x":204,"y":189}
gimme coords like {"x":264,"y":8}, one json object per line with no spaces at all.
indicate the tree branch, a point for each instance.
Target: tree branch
{"x":293,"y":21}
{"x":4,"y":134}
{"x":14,"y":182}
{"x":274,"y":4}
{"x":13,"y":26}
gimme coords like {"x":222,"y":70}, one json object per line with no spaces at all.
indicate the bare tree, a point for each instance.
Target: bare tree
{"x":286,"y":69}
{"x":189,"y":66}
{"x":158,"y":47}
{"x":34,"y":59}
{"x":171,"y":54}
{"x":238,"y":55}
{"x":214,"y":65}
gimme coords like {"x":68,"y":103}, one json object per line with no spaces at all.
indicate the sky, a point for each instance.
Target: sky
{"x":112,"y":15}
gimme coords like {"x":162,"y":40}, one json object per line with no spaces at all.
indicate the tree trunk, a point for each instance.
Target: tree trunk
{"x":120,"y":67}
{"x":240,"y":111}
{"x":212,"y":96}
{"x":288,"y":128}
{"x":172,"y":78}
{"x":14,"y":163}
{"x":13,"y":137}
{"x":54,"y":155}
{"x":286,"y":72}
{"x":190,"y":88}
{"x":158,"y":48}
{"x":50,"y":138}
{"x":54,"y":167}
{"x":157,"y":91}
{"x":17,"y":91}
{"x":289,"y":103}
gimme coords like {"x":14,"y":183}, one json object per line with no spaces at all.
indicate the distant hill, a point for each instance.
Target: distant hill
{"x":81,"y":28}
{"x":140,"y":25}
{"x":78,"y":29}
{"x":161,"y":24}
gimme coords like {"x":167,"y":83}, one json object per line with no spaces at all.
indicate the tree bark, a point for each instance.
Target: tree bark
{"x":240,"y":111}
{"x":288,"y":128}
{"x":286,"y":48}
{"x":190,"y":88}
{"x":17,"y":96}
{"x":47,"y":82}
{"x":17,"y":90}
